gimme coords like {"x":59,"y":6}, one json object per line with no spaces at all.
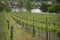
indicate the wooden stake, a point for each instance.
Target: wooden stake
{"x":11,"y":32}
{"x":47,"y":35}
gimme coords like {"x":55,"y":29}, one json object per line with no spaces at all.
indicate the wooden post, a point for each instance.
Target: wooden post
{"x":8,"y":23}
{"x":33,"y":28}
{"x":58,"y":20}
{"x":11,"y":32}
{"x":47,"y":34}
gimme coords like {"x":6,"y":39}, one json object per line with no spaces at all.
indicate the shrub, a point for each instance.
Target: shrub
{"x":1,"y":8}
{"x":28,"y":5}
{"x":44,"y":7}
{"x":54,"y":9}
{"x":7,"y":8}
{"x":58,"y":1}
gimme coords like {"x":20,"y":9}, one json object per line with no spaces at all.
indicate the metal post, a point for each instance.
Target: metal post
{"x":11,"y":32}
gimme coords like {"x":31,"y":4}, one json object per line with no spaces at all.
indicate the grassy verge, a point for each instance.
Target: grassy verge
{"x":3,"y":27}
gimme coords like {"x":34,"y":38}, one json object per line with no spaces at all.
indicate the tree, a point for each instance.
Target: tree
{"x":4,"y":7}
{"x":54,"y":8}
{"x":58,"y":1}
{"x":1,"y":8}
{"x":55,"y":1}
{"x":28,"y":5}
{"x":44,"y":7}
{"x":7,"y":8}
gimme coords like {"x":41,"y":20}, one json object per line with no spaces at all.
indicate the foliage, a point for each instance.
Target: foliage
{"x":58,"y":1}
{"x":54,"y":8}
{"x":3,"y":27}
{"x":28,"y":5}
{"x":7,"y":8}
{"x":58,"y":33}
{"x":20,"y":4}
{"x":44,"y":7}
{"x":39,"y":20}
{"x":1,"y":7}
{"x":4,"y":7}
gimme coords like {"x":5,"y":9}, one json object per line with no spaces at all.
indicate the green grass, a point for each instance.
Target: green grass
{"x":3,"y":27}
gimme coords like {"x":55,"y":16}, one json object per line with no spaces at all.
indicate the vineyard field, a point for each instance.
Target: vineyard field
{"x":39,"y":20}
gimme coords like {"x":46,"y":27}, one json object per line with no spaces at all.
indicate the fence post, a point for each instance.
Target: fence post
{"x":58,"y":21}
{"x":33,"y":28}
{"x":47,"y":33}
{"x":8,"y":23}
{"x":11,"y":32}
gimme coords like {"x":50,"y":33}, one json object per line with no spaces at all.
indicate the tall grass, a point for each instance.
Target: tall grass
{"x":3,"y":27}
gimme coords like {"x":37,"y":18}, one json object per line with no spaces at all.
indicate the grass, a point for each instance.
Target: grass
{"x":3,"y":27}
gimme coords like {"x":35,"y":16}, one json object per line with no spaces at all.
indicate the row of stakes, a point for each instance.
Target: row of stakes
{"x":11,"y":32}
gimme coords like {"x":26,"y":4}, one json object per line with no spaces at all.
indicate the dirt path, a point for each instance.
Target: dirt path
{"x":19,"y":33}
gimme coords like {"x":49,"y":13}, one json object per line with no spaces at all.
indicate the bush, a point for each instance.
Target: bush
{"x":44,"y":7}
{"x":7,"y":8}
{"x":1,"y":8}
{"x":54,"y":9}
{"x":58,"y":1}
{"x":28,"y":5}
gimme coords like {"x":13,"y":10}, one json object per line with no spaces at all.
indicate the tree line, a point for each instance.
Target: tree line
{"x":4,"y":7}
{"x":45,"y":7}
